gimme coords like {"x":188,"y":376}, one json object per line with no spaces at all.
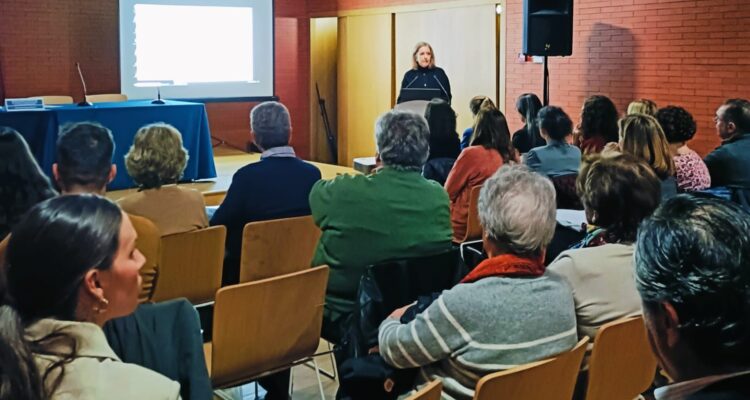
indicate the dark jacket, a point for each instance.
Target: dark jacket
{"x":729,"y":389}
{"x":729,"y":164}
{"x":427,"y":78}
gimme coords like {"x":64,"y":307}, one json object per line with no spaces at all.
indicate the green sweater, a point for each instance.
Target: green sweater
{"x":389,"y":215}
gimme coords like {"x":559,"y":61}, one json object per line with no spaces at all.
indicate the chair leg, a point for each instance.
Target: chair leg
{"x":333,"y":362}
{"x":291,"y":382}
{"x":320,"y":384}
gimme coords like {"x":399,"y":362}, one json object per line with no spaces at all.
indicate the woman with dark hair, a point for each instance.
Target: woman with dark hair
{"x":72,"y":266}
{"x":528,"y":137}
{"x":618,"y":191}
{"x":490,"y":148}
{"x":22,"y":183}
{"x":444,"y":143}
{"x":598,"y":124}
{"x":557,"y":157}
{"x":691,"y":172}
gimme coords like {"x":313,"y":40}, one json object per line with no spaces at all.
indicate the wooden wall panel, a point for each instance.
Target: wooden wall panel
{"x":323,"y":71}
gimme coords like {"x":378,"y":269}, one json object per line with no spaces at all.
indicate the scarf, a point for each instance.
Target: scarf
{"x":505,"y":265}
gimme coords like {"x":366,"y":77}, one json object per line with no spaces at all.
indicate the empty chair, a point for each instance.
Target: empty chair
{"x":276,"y":247}
{"x":149,"y":244}
{"x":55,"y":100}
{"x":190,"y":265}
{"x":106,"y":98}
{"x":622,"y":365}
{"x":431,"y":391}
{"x":257,"y":331}
{"x":551,"y":379}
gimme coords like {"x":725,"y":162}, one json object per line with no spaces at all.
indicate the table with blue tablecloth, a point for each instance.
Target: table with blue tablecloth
{"x":41,"y":128}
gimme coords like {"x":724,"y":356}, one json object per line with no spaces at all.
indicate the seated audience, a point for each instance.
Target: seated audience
{"x":474,"y":105}
{"x":444,"y":143}
{"x":490,"y":148}
{"x":617,"y":192}
{"x":693,"y":275}
{"x":642,"y":106}
{"x":391,"y":214}
{"x":22,"y":182}
{"x":516,"y":310}
{"x":730,"y":162}
{"x":691,"y":172}
{"x":528,"y":137}
{"x":276,"y":187}
{"x":72,"y":266}
{"x":557,"y":157}
{"x":156,"y":161}
{"x":598,"y":125}
{"x":642,"y":136}
{"x":84,"y":159}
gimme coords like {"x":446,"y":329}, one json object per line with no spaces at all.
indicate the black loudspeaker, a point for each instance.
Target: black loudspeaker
{"x":548,"y":27}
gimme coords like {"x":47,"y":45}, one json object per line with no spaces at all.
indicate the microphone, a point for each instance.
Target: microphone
{"x":441,"y":86}
{"x":412,"y":81}
{"x":83,"y":103}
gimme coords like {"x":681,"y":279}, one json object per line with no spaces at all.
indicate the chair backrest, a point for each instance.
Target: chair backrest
{"x":473,"y":227}
{"x":622,"y":365}
{"x":263,"y":325}
{"x":276,"y":247}
{"x":55,"y":100}
{"x":565,"y":190}
{"x":106,"y":98}
{"x":149,"y":244}
{"x":431,"y":391}
{"x":551,"y":379}
{"x":190,"y":265}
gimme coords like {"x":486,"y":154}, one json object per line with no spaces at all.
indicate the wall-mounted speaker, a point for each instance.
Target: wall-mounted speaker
{"x":548,"y":27}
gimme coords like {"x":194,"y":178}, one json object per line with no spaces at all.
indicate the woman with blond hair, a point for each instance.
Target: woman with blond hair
{"x":642,"y":136}
{"x":642,"y":106}
{"x":156,"y":161}
{"x":424,"y":74}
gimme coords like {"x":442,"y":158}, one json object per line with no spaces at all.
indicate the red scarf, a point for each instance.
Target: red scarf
{"x":505,"y":265}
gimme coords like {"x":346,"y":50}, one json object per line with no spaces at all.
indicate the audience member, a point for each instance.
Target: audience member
{"x":642,"y":136}
{"x":691,"y":172}
{"x":444,"y":143}
{"x":84,"y":159}
{"x":156,"y":161}
{"x":598,"y":124}
{"x":557,"y":157}
{"x":72,"y":265}
{"x":618,"y":192}
{"x":517,"y":311}
{"x":693,"y":274}
{"x":276,"y":187}
{"x":528,"y":137}
{"x":490,"y":148}
{"x":729,"y":163}
{"x":474,"y":105}
{"x":642,"y":106}
{"x":393,"y":213}
{"x":22,"y":182}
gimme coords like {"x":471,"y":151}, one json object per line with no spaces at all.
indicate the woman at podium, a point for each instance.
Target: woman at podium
{"x":424,"y":81}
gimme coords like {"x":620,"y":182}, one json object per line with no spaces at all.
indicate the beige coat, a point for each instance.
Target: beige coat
{"x":96,"y":372}
{"x":172,"y":208}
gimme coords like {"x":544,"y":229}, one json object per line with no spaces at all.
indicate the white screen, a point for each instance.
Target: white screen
{"x":196,"y":49}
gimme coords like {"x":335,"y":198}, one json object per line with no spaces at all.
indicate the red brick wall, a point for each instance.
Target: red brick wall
{"x":689,"y":53}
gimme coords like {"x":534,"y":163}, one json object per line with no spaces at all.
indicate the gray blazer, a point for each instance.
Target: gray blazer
{"x":556,"y":158}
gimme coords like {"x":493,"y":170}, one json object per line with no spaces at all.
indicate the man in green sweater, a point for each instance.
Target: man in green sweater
{"x":392,"y":214}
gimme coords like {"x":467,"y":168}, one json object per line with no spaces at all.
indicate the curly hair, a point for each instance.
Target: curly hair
{"x":156,"y":157}
{"x":599,"y":118}
{"x":677,"y":123}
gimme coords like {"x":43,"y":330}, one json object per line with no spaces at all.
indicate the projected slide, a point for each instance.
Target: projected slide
{"x":196,"y":49}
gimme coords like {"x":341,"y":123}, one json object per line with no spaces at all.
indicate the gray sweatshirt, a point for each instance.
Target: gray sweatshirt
{"x":477,"y":328}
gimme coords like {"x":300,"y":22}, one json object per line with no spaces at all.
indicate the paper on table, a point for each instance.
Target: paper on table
{"x":573,"y":219}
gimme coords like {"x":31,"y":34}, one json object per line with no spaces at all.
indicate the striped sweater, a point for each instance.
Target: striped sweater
{"x":473,"y":329}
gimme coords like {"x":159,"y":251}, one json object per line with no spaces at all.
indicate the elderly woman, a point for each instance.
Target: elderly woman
{"x":618,"y":192}
{"x":72,"y":266}
{"x":156,"y":161}
{"x":691,"y":172}
{"x":598,"y":124}
{"x":507,"y":311}
{"x":394,"y":213}
{"x":642,"y":136}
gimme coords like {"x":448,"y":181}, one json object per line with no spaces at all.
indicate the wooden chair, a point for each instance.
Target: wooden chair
{"x":276,"y":247}
{"x":431,"y":391}
{"x":149,"y":244}
{"x":622,"y":365}
{"x":106,"y":98}
{"x":266,"y":326}
{"x":473,"y":227}
{"x":55,"y":100}
{"x":551,"y":379}
{"x":190,"y":265}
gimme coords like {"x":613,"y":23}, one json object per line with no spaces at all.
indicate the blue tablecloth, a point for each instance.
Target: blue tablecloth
{"x":41,"y":129}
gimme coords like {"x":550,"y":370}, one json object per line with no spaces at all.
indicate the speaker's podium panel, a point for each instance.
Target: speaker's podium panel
{"x":548,"y":27}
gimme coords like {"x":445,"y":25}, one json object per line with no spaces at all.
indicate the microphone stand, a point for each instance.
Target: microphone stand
{"x":158,"y":96}
{"x":84,"y":103}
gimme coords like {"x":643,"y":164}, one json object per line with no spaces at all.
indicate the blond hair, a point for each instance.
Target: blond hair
{"x":156,"y":157}
{"x":642,"y":136}
{"x":642,"y":106}
{"x":419,"y":45}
